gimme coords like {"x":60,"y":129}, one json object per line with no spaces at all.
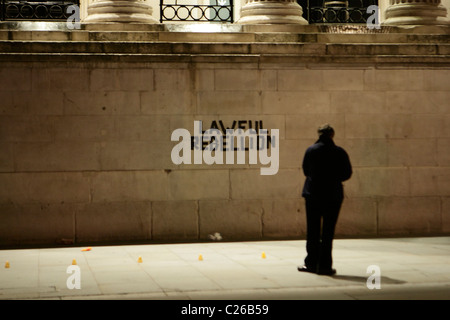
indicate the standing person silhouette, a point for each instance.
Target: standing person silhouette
{"x":325,"y":166}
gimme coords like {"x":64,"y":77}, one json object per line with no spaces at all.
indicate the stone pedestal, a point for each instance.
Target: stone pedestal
{"x":125,"y":11}
{"x":415,"y":12}
{"x":271,"y":12}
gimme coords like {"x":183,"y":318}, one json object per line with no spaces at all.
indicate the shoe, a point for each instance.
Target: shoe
{"x":305,"y":269}
{"x":327,"y":272}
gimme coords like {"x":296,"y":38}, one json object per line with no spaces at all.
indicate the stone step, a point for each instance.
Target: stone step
{"x":227,"y":33}
{"x":226,"y":37}
{"x":223,"y":27}
{"x":250,"y":48}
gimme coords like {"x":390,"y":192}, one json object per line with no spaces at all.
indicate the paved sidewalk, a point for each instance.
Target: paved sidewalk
{"x":411,"y":268}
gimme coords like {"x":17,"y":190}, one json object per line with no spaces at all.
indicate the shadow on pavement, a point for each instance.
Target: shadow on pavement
{"x":385,"y":280}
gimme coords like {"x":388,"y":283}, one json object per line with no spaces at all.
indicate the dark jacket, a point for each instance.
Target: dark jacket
{"x":325,"y":166}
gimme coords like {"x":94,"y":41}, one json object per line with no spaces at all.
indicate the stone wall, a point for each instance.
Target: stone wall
{"x":86,"y":148}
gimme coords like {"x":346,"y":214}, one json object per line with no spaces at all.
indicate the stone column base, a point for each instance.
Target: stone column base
{"x":422,"y":13}
{"x":125,"y":11}
{"x":272,"y":12}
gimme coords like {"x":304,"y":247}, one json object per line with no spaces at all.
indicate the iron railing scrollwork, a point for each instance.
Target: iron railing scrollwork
{"x":336,"y":11}
{"x":222,"y":11}
{"x":215,"y":11}
{"x":35,"y":10}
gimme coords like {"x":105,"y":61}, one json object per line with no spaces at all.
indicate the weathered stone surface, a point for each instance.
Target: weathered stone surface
{"x":409,"y":215}
{"x":22,"y":223}
{"x":126,"y":186}
{"x":284,"y":219}
{"x":175,"y":220}
{"x":358,"y":217}
{"x":113,"y":221}
{"x":233,"y":219}
{"x":44,"y":187}
{"x":86,"y":144}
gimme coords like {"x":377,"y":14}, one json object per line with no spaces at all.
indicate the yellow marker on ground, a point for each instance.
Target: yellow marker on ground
{"x":7,"y":265}
{"x":200,"y":258}
{"x":140,"y":259}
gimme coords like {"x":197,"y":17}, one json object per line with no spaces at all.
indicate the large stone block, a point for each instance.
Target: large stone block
{"x":292,"y":152}
{"x":305,"y":126}
{"x":358,"y":102}
{"x":199,"y":184}
{"x":443,"y":152}
{"x":418,"y":102}
{"x":6,"y":157}
{"x":409,"y":215}
{"x":170,"y":102}
{"x":31,"y":103}
{"x":102,"y":103}
{"x":233,"y":219}
{"x":45,"y":187}
{"x":342,"y":79}
{"x":269,"y":80}
{"x":125,"y":186}
{"x":60,"y":79}
{"x":174,"y":79}
{"x":295,"y":102}
{"x":38,"y":223}
{"x":229,"y":102}
{"x":143,"y":128}
{"x":237,"y":80}
{"x":357,"y":218}
{"x":121,"y":79}
{"x":113,"y":221}
{"x":427,"y":125}
{"x":9,"y":106}
{"x":411,"y":152}
{"x":381,"y":181}
{"x":175,"y":220}
{"x":204,"y":79}
{"x":56,"y":156}
{"x":250,"y":184}
{"x":377,"y":126}
{"x":445,"y":214}
{"x":430,"y":181}
{"x":284,"y":219}
{"x":444,"y":131}
{"x":24,"y":129}
{"x":135,"y":155}
{"x":74,"y":128}
{"x":435,"y":79}
{"x":15,"y":79}
{"x":108,"y":128}
{"x":392,"y":80}
{"x":367,"y":152}
{"x":300,"y":80}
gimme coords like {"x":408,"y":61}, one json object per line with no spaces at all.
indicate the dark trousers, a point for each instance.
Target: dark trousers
{"x":321,"y":218}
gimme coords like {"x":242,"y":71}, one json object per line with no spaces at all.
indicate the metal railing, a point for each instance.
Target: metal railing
{"x":216,"y":11}
{"x":221,"y":11}
{"x":32,"y":10}
{"x":336,"y":11}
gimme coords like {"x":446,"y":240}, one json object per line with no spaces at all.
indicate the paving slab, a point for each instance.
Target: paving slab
{"x":405,"y":269}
